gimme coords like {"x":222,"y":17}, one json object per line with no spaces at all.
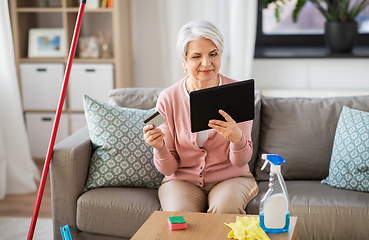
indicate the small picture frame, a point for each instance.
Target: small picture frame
{"x":46,"y":43}
{"x":89,"y":47}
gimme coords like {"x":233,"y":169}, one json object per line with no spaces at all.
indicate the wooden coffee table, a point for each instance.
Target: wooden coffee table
{"x":199,"y":226}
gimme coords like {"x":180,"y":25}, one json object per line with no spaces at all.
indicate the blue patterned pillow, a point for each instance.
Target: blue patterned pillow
{"x":121,"y":157}
{"x":349,"y":167}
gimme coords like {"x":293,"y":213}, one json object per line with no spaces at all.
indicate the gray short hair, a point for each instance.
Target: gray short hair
{"x":196,"y":31}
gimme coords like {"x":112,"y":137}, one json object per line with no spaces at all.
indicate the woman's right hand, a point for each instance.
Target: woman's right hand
{"x":153,"y":137}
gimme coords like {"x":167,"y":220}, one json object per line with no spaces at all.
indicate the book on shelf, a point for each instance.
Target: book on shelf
{"x":109,"y":4}
{"x":92,"y":4}
{"x":104,"y":3}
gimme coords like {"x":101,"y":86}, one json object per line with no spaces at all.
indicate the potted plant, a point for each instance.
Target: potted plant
{"x":341,"y":28}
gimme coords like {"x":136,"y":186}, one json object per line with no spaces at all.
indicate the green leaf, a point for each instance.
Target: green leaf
{"x":332,"y":11}
{"x":357,"y":9}
{"x":277,"y":14}
{"x":343,"y":7}
{"x":298,"y":7}
{"x":267,"y":2}
{"x":323,"y":11}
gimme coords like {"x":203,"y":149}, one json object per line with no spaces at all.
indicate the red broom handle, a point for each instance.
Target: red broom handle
{"x":57,"y":120}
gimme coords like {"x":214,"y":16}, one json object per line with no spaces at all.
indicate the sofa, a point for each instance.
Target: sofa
{"x":301,"y":130}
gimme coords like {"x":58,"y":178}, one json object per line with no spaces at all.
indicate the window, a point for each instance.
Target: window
{"x":310,"y":20}
{"x":306,"y":32}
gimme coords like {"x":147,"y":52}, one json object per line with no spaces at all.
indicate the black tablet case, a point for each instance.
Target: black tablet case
{"x":236,"y":99}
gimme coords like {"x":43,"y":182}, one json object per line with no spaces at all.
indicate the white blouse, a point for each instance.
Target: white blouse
{"x":202,"y":135}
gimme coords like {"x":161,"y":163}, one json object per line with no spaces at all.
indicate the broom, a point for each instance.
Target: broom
{"x":57,"y":119}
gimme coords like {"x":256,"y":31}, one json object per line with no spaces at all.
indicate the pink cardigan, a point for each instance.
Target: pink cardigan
{"x":181,"y":158}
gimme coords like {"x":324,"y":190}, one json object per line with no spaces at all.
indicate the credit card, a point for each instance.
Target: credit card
{"x":155,"y":119}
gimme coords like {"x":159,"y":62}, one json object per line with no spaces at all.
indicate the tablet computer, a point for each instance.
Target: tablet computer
{"x":236,"y":99}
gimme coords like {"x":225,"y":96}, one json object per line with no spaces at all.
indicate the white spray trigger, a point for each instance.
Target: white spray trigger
{"x":264,"y":156}
{"x":265,"y":164}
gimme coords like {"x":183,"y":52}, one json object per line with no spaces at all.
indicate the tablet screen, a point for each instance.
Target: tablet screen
{"x":236,"y":99}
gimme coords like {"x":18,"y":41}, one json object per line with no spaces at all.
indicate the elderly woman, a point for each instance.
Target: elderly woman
{"x":207,"y":170}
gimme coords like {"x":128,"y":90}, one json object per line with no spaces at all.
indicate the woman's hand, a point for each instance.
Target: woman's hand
{"x":228,"y":129}
{"x":153,"y":137}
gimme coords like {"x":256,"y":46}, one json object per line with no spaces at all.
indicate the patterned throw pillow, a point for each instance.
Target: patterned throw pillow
{"x":349,"y":166}
{"x":121,"y":157}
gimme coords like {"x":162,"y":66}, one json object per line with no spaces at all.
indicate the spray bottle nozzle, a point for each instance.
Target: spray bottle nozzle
{"x":273,"y":159}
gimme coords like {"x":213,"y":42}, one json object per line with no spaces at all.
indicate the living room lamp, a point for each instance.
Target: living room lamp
{"x":57,"y":119}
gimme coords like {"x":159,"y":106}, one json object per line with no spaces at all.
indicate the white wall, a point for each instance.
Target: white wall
{"x":325,"y":76}
{"x":148,"y":54}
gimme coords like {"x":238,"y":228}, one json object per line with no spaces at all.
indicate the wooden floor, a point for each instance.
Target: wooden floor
{"x":23,"y":205}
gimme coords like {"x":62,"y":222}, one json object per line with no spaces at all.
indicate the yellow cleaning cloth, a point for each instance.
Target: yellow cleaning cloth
{"x":247,"y":228}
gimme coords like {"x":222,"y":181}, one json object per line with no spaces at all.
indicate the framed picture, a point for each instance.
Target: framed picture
{"x":46,"y":43}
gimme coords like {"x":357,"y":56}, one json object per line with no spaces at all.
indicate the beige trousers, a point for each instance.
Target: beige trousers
{"x":229,"y":196}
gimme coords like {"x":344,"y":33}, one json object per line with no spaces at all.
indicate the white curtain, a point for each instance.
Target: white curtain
{"x":18,"y":172}
{"x":155,"y":25}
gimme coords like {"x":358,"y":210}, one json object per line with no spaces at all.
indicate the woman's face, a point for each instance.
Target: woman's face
{"x":203,"y":60}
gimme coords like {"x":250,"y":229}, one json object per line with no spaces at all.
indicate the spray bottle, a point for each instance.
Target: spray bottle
{"x":274,"y":206}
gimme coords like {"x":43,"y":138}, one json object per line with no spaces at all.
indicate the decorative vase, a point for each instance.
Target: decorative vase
{"x":340,"y":36}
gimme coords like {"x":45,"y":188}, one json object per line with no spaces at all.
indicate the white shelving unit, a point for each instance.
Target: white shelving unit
{"x":41,"y":79}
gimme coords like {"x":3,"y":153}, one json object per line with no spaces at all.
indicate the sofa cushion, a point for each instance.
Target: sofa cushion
{"x":141,"y":98}
{"x":349,"y":166}
{"x":301,"y":130}
{"x":115,"y":211}
{"x":323,"y":212}
{"x":255,"y":132}
{"x":121,"y":157}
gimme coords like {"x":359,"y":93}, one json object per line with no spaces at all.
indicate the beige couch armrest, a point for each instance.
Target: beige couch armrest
{"x":68,"y":174}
